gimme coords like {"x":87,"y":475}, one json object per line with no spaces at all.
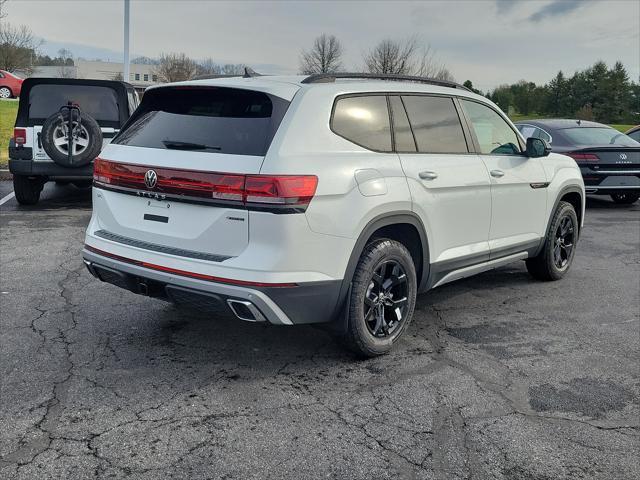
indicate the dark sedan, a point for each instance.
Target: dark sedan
{"x":609,"y":160}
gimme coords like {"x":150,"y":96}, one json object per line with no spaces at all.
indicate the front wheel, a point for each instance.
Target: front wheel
{"x":625,"y":198}
{"x":383,"y":297}
{"x":553,"y":262}
{"x":27,"y":189}
{"x":5,"y":92}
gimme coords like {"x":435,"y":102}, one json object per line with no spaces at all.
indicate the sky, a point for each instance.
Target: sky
{"x":491,"y":42}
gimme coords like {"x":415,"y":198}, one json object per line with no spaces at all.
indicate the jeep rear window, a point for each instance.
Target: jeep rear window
{"x":101,"y":103}
{"x":220,"y":119}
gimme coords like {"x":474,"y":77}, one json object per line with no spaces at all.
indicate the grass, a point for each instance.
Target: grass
{"x":8,"y":111}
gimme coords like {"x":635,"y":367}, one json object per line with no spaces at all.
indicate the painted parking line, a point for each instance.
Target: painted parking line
{"x":6,"y":198}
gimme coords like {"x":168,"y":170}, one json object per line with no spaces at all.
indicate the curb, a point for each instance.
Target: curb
{"x":5,"y":174}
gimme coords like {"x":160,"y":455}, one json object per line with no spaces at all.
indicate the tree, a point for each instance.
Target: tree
{"x":18,"y":46}
{"x":175,"y":67}
{"x":3,"y":13}
{"x":324,"y":57}
{"x":209,"y":67}
{"x":469,"y":84}
{"x":405,"y":57}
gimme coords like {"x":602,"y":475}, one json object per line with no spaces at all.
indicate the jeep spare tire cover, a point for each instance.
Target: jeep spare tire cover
{"x":87,"y":139}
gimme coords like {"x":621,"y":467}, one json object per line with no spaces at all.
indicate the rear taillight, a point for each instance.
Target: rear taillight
{"x":281,"y":190}
{"x":20,"y":136}
{"x":259,"y":191}
{"x":584,"y":157}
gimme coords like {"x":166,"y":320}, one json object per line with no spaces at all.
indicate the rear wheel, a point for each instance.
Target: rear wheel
{"x":27,"y":189}
{"x":5,"y":92}
{"x":625,"y":198}
{"x":559,"y":246}
{"x":383,"y":296}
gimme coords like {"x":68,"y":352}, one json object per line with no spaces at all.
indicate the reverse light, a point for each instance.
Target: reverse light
{"x":20,"y":136}
{"x":584,"y":157}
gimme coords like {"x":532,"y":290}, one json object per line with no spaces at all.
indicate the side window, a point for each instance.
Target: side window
{"x":363,"y":120}
{"x":495,"y":136}
{"x":401,"y":129}
{"x":435,"y":124}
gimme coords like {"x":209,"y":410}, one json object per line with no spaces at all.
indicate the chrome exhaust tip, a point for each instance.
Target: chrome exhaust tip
{"x":245,"y":310}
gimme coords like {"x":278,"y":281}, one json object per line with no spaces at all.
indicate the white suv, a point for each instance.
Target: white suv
{"x":330,"y":199}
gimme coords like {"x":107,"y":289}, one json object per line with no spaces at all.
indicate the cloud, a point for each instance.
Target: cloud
{"x":558,"y":7}
{"x":505,"y":6}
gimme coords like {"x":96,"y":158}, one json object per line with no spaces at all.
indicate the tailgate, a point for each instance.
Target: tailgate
{"x":173,"y":180}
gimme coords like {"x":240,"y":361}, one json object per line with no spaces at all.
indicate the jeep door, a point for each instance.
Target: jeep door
{"x":449,"y":183}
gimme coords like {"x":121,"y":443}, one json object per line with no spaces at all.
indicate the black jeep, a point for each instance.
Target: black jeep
{"x":61,"y":127}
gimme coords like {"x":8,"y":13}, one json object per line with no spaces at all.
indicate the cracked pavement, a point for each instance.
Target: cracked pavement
{"x":499,"y":376}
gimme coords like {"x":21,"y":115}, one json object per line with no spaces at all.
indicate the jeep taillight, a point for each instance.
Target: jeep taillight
{"x":20,"y":136}
{"x":584,"y":157}
{"x":250,"y":191}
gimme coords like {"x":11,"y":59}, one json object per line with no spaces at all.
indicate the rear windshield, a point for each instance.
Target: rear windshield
{"x":101,"y":103}
{"x":206,"y":119}
{"x":598,"y":136}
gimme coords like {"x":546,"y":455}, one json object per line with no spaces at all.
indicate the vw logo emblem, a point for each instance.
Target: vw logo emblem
{"x":151,"y":179}
{"x":623,"y":156}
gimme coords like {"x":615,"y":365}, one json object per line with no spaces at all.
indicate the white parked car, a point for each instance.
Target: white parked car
{"x":330,"y":199}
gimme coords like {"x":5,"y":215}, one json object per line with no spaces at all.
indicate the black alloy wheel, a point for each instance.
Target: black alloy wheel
{"x":564,"y":242}
{"x":386,"y":299}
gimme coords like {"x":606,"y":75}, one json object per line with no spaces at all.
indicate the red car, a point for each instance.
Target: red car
{"x":10,"y":85}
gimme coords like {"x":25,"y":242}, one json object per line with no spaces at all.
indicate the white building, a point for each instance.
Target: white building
{"x":140,"y":76}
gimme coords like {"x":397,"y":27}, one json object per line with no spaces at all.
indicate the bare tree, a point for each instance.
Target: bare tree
{"x":324,"y":57}
{"x":66,"y":68}
{"x":3,"y":12}
{"x":18,"y":46}
{"x":175,"y":67}
{"x":405,"y":57}
{"x":209,"y":67}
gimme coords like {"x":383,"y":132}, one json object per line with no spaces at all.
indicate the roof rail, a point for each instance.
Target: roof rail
{"x":332,"y":77}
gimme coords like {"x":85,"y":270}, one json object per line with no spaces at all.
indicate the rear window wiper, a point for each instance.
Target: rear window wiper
{"x":177,"y":145}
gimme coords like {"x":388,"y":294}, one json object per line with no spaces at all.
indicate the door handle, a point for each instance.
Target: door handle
{"x":428,"y":175}
{"x":497,"y":173}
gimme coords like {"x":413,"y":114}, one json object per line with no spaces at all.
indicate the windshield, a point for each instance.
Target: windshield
{"x":209,"y":119}
{"x":598,"y":136}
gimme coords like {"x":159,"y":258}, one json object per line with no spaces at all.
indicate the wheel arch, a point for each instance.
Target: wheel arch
{"x":575,"y":196}
{"x":405,"y":227}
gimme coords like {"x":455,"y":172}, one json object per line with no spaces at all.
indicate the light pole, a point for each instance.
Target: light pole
{"x":125,"y":75}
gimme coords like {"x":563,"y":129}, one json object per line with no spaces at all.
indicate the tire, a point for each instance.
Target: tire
{"x":373,"y":326}
{"x":27,"y":189}
{"x":55,"y":143}
{"x":625,"y":198}
{"x":5,"y":92}
{"x":559,"y":249}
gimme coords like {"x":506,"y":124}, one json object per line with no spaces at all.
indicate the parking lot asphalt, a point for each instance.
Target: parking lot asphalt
{"x":499,"y":377}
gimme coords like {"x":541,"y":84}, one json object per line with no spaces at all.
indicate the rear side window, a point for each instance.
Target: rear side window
{"x":208,"y":119}
{"x":99,"y":102}
{"x":435,"y":124}
{"x":363,"y":120}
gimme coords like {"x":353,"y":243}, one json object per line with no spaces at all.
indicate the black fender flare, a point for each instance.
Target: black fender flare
{"x":383,"y":220}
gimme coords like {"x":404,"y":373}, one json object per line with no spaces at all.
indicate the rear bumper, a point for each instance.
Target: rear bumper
{"x":48,"y":169}
{"x":310,"y":302}
{"x":607,"y":180}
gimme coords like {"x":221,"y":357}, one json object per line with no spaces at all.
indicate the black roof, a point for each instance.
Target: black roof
{"x":560,"y":123}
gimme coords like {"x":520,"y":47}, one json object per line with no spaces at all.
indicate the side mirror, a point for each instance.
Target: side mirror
{"x":537,"y":147}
